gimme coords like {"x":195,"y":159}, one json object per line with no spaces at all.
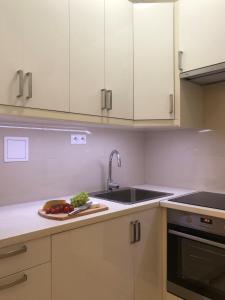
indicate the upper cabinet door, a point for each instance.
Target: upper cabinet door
{"x":11,"y":51}
{"x":87,"y":55}
{"x":46,"y":53}
{"x":119,"y":58}
{"x":153,"y":61}
{"x":202,"y":33}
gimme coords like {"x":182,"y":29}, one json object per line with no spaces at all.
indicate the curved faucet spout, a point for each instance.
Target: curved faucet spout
{"x":110,"y":184}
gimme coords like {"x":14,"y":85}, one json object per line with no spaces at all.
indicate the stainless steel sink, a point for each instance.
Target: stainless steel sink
{"x":129,"y":195}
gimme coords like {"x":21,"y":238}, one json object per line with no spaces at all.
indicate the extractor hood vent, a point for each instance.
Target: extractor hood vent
{"x":207,"y":75}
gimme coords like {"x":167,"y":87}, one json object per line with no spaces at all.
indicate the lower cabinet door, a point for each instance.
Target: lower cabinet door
{"x":147,"y":256}
{"x":32,"y":284}
{"x":93,"y":262}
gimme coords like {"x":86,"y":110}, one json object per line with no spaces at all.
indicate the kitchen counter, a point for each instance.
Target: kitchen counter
{"x":21,"y":222}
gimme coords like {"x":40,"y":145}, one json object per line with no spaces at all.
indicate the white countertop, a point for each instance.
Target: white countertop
{"x":21,"y":222}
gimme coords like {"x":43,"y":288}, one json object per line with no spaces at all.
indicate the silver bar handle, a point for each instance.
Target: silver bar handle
{"x":197,"y":239}
{"x":180,"y":60}
{"x":30,"y":85}
{"x":109,"y":100}
{"x":171,"y":104}
{"x":21,"y":82}
{"x":133,"y":232}
{"x":13,"y":283}
{"x":138,"y":224}
{"x":19,"y":250}
{"x":103,"y":97}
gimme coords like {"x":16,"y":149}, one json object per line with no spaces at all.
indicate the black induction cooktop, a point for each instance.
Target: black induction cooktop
{"x":205,"y":199}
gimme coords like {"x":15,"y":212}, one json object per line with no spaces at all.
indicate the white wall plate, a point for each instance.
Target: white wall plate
{"x":16,"y":149}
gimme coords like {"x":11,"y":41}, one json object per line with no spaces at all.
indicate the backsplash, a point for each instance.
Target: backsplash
{"x":185,"y":158}
{"x":57,"y":168}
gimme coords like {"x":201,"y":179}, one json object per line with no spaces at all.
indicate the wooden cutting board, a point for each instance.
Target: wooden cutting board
{"x":62,"y":217}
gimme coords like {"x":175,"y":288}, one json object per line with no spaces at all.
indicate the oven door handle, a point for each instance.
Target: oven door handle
{"x":197,"y":239}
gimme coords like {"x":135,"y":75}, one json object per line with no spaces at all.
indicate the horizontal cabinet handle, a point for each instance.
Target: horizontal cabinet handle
{"x":8,"y":285}
{"x":9,"y":253}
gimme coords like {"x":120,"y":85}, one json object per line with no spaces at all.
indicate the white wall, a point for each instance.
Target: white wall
{"x":185,"y":158}
{"x":57,"y":168}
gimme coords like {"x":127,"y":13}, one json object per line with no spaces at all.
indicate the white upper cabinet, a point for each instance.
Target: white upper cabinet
{"x":35,"y":39}
{"x":87,"y":51}
{"x":46,"y":53}
{"x":11,"y":51}
{"x":101,"y":58}
{"x":154,"y":61}
{"x":201,"y":33}
{"x":119,"y":58}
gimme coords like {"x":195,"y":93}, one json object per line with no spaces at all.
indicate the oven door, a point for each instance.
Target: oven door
{"x":196,"y":264}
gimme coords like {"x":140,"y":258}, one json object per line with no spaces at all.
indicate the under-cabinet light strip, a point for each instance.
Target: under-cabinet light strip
{"x":46,"y":129}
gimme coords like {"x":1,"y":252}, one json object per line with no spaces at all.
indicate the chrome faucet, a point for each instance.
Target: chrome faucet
{"x":111,"y":185}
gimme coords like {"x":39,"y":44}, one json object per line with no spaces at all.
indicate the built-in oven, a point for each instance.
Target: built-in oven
{"x":195,"y":256}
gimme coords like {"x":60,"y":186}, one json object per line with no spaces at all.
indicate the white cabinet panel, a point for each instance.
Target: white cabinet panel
{"x":87,"y":51}
{"x":202,"y":33}
{"x":36,"y":287}
{"x":11,"y":50}
{"x":119,"y":57}
{"x":93,"y":262}
{"x":35,"y":38}
{"x":153,"y":61}
{"x":46,"y":50}
{"x":148,"y":256}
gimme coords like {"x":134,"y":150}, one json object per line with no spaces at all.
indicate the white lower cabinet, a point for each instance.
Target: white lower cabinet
{"x":99,"y":261}
{"x":34,"y":283}
{"x":147,"y":256}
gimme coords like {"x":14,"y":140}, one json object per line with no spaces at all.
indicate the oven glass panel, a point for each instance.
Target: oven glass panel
{"x":197,"y":266}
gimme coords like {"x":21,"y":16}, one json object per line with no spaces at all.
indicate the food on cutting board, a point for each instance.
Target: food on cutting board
{"x":60,"y":209}
{"x":57,"y":207}
{"x":80,"y":199}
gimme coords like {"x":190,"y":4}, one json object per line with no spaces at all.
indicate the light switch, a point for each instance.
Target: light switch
{"x":16,"y":149}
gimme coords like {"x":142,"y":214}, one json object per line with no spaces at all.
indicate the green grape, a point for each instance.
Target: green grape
{"x":79,"y":199}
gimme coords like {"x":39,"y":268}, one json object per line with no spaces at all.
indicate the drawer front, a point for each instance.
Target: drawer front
{"x":19,"y":257}
{"x":34,"y":284}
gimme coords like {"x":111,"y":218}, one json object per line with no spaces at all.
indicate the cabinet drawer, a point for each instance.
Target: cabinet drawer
{"x":19,"y":257}
{"x":34,"y":284}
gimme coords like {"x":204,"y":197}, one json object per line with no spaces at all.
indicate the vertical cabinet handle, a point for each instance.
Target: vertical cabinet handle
{"x":103,"y":98}
{"x":138,"y":231}
{"x":133,"y":232}
{"x":109,"y":100}
{"x":8,"y":285}
{"x":21,"y":77}
{"x":171,"y":104}
{"x":30,"y":85}
{"x":180,"y":60}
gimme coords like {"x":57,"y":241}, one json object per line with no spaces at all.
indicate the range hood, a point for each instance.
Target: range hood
{"x":204,"y":76}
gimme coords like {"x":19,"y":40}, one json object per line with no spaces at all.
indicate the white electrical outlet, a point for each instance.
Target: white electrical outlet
{"x":78,"y":139}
